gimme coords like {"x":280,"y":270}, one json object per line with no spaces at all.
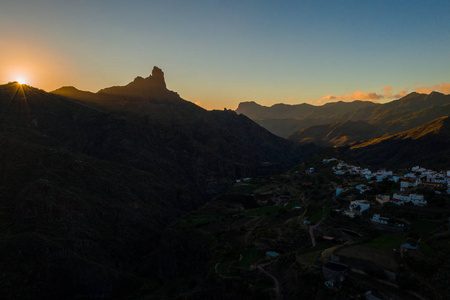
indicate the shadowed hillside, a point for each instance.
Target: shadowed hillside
{"x":90,"y":180}
{"x":337,"y":134}
{"x":408,"y":112}
{"x":283,"y":119}
{"x":427,"y":145}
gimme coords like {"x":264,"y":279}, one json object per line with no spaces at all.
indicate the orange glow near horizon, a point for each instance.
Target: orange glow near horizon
{"x":21,"y":80}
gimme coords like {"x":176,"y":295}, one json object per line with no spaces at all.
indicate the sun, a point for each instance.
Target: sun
{"x":21,"y":80}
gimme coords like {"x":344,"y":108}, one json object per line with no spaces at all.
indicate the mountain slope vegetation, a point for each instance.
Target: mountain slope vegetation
{"x":89,"y":181}
{"x":426,"y":145}
{"x":403,"y":114}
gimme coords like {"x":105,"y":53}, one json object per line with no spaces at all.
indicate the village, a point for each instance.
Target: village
{"x":417,"y":177}
{"x":346,"y":229}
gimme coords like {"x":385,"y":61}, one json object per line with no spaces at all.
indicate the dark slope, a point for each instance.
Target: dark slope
{"x":427,"y":145}
{"x":283,"y":120}
{"x":337,"y":134}
{"x":393,"y":117}
{"x":333,"y":110}
{"x":411,"y":103}
{"x":89,"y":181}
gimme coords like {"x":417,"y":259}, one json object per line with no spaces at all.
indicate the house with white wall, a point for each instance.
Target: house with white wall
{"x":382,"y":199}
{"x":359,"y":205}
{"x":402,"y":198}
{"x":382,"y":174}
{"x":379,"y":219}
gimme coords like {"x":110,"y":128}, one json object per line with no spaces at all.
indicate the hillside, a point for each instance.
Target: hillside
{"x":89,"y":181}
{"x":333,"y":110}
{"x":337,"y":134}
{"x":283,"y":119}
{"x":393,"y":117}
{"x":427,"y":145}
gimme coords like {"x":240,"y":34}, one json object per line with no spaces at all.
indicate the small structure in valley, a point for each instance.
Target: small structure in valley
{"x":334,"y":272}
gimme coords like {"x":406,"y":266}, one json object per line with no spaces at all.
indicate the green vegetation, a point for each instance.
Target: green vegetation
{"x":249,"y":257}
{"x":386,"y":240}
{"x":424,"y":228}
{"x":223,"y":267}
{"x":319,"y":214}
{"x":292,"y":204}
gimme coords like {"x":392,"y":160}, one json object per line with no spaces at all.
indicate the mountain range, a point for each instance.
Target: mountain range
{"x":89,"y":180}
{"x":427,"y":145}
{"x":321,"y":124}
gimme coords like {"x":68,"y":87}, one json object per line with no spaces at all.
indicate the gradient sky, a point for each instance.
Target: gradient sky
{"x":219,"y":53}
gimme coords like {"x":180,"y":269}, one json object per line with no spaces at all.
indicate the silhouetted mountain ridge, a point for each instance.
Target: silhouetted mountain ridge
{"x":410,"y":111}
{"x":300,"y":111}
{"x":89,"y":180}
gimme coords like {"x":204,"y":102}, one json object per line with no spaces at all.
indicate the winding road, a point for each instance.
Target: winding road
{"x":277,"y":284}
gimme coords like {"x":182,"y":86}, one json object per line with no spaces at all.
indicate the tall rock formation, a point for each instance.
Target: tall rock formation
{"x":153,"y":86}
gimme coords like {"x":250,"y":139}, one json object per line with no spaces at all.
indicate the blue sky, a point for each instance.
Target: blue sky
{"x":219,"y":53}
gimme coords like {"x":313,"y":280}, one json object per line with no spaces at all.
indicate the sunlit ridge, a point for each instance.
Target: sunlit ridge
{"x":21,"y":80}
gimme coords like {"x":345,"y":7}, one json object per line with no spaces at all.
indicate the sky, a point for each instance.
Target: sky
{"x":219,"y":53}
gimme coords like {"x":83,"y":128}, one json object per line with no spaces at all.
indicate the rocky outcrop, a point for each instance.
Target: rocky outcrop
{"x":152,"y":86}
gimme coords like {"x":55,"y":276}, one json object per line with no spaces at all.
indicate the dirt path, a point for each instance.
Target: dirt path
{"x":277,"y":284}
{"x":311,"y":232}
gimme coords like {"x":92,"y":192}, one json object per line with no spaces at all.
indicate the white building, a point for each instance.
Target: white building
{"x":362,"y":188}
{"x":382,"y":199}
{"x":397,"y":201}
{"x":359,"y":205}
{"x":379,"y":219}
{"x":415,"y":199}
{"x":366,"y":172}
{"x":327,"y":160}
{"x":394,"y":178}
{"x":350,"y":213}
{"x":382,"y":174}
{"x":407,"y":182}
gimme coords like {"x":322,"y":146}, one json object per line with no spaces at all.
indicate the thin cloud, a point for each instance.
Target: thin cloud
{"x":442,"y":88}
{"x":387,"y":91}
{"x":401,"y":94}
{"x":358,"y":95}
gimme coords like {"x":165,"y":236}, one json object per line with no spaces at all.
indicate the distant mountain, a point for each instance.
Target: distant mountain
{"x":396,"y":116}
{"x":283,"y":119}
{"x":427,"y":145}
{"x":90,"y":180}
{"x":393,"y":117}
{"x":337,"y":134}
{"x":333,"y":110}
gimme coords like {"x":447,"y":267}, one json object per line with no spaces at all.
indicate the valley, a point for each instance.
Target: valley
{"x":289,"y":226}
{"x":135,"y":193}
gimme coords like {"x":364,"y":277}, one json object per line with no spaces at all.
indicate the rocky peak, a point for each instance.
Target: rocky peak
{"x":158,"y":77}
{"x":152,"y":86}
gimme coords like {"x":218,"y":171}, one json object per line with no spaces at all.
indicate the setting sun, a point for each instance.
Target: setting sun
{"x":21,"y":80}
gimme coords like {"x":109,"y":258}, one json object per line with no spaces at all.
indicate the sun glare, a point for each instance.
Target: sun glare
{"x":21,"y":80}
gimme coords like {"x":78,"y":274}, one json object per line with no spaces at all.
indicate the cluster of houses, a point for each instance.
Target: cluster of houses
{"x":418,"y":176}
